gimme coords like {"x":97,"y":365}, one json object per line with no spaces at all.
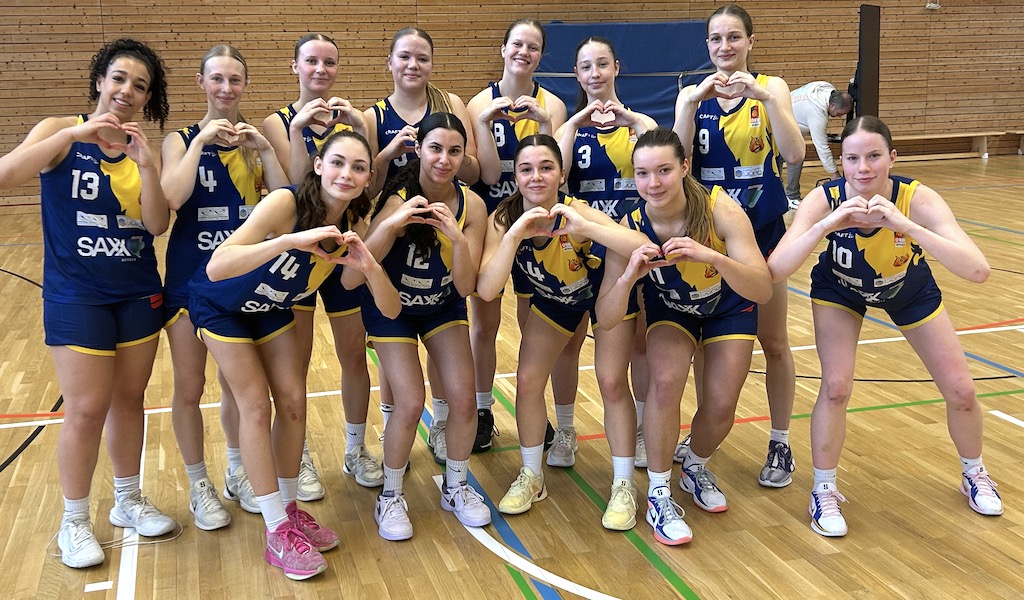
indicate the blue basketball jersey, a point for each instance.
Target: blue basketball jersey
{"x":691,"y":288}
{"x":389,"y":123}
{"x":602,"y":170}
{"x":278,"y":284}
{"x":95,"y":248}
{"x":424,"y":280}
{"x":877,"y":265}
{"x":736,"y":150}
{"x":225,"y":191}
{"x":313,"y":140}
{"x":506,"y":137}
{"x":561,"y":269}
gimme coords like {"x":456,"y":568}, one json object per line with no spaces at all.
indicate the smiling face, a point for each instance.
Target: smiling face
{"x":441,"y":153}
{"x":224,"y":80}
{"x":316,"y":66}
{"x":866,"y":161}
{"x":410,"y":62}
{"x":344,"y":168}
{"x":124,"y":88}
{"x":659,"y":174}
{"x":523,"y":49}
{"x":596,"y":69}
{"x":538,"y":175}
{"x":728,"y":43}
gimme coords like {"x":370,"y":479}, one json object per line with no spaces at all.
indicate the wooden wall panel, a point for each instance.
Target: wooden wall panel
{"x":955,"y":69}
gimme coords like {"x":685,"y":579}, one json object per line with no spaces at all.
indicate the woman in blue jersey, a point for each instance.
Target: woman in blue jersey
{"x":427,"y":232}
{"x":503,"y":113}
{"x":878,"y":227}
{"x":702,"y":276}
{"x":392,"y":124}
{"x":241,"y":307}
{"x":213,"y":175}
{"x":102,"y":303}
{"x":297,"y":131}
{"x":543,"y":238}
{"x":597,"y":143}
{"x":738,"y":126}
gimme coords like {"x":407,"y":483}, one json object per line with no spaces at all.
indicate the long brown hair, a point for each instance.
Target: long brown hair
{"x":698,"y":198}
{"x":510,"y":209}
{"x":310,"y":210}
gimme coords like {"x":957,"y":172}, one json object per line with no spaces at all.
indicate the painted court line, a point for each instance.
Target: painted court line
{"x":130,"y":549}
{"x":1006,"y":417}
{"x":508,"y":555}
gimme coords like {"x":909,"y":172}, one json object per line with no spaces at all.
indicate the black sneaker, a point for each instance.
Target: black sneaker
{"x":484,"y":430}
{"x":549,"y":437}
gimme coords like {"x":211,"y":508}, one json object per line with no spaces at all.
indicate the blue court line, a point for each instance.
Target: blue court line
{"x":990,"y":226}
{"x":501,"y":525}
{"x":971,"y":355}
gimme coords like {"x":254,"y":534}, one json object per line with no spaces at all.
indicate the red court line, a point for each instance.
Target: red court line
{"x":999,"y":324}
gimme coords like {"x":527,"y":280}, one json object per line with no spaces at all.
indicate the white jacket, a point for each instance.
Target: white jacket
{"x":810,"y":107}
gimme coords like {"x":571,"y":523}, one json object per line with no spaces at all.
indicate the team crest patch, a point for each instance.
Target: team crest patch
{"x":901,"y":260}
{"x":710,"y":271}
{"x":756,"y":144}
{"x":575,"y":264}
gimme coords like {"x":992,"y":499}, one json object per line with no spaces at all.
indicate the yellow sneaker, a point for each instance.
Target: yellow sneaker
{"x":621,"y":512}
{"x":525,"y":490}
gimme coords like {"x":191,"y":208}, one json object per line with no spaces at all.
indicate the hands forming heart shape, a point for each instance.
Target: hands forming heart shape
{"x":731,"y":91}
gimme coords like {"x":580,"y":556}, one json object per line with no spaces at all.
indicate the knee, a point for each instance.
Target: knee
{"x":835,"y":392}
{"x":461,"y":407}
{"x":962,"y":397}
{"x":614,"y":386}
{"x":775,"y":346}
{"x":255,"y":415}
{"x":407,"y":414}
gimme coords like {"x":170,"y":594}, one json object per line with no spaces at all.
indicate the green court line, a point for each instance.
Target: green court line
{"x":912,"y":403}
{"x":995,"y":239}
{"x":524,"y":586}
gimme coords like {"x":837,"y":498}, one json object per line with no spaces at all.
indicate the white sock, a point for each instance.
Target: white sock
{"x":565,"y":415}
{"x":484,"y":400}
{"x":273,"y":510}
{"x":455,"y":473}
{"x":692,"y":460}
{"x":824,"y":476}
{"x":76,"y":507}
{"x":355,"y":436}
{"x":780,"y":435}
{"x":533,"y":457}
{"x":234,"y":458}
{"x":289,"y":489}
{"x":639,"y":414}
{"x":969,"y":464}
{"x":440,"y":409}
{"x":385,"y":412}
{"x":124,"y":486}
{"x":658,"y":480}
{"x":393,"y":481}
{"x":622,"y":467}
{"x":196,"y":472}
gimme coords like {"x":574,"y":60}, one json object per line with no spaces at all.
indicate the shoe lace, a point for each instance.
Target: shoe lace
{"x":207,"y":497}
{"x":622,"y":498}
{"x":363,"y":461}
{"x":304,"y":520}
{"x":667,"y":510}
{"x":983,"y":484}
{"x":705,"y":479}
{"x":466,"y":496}
{"x":437,"y":433}
{"x":392,"y":507}
{"x":139,"y":506}
{"x":522,"y":483}
{"x":780,"y":456}
{"x":641,"y":443}
{"x":299,"y":542}
{"x":561,"y":441}
{"x":828,"y":503}
{"x":80,"y":530}
{"x":307,"y":470}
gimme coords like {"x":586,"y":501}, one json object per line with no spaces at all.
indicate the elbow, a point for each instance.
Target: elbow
{"x":392,"y":310}
{"x":796,"y":155}
{"x":980,"y":274}
{"x":764,"y":294}
{"x":214,"y":272}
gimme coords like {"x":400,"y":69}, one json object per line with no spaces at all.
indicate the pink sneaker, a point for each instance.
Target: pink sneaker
{"x":289,"y":550}
{"x":322,"y":538}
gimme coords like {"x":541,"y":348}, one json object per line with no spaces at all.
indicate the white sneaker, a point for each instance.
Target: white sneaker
{"x":467,"y":504}
{"x":563,"y":449}
{"x":701,"y":482}
{"x":367,"y":471}
{"x":310,"y":488}
{"x":826,"y":518}
{"x":682,"y":449}
{"x":620,"y":515}
{"x":137,"y":512}
{"x":666,"y":517}
{"x":524,"y":491}
{"x":778,"y":467}
{"x":392,"y":516}
{"x":238,"y":488}
{"x":204,"y":504}
{"x":78,"y":546}
{"x":437,"y":442}
{"x":640,"y":456}
{"x":981,"y":492}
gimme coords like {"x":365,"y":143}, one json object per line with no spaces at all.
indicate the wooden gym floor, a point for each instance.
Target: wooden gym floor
{"x":912,"y":534}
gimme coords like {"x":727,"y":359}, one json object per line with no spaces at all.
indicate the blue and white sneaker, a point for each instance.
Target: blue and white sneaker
{"x":778,"y":467}
{"x":826,"y":518}
{"x":981,"y":491}
{"x":700,"y":482}
{"x":666,"y":517}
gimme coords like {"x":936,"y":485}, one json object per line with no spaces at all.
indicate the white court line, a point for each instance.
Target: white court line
{"x":130,"y":543}
{"x":167,"y":409}
{"x":1006,"y":417}
{"x":516,"y":560}
{"x":99,"y":586}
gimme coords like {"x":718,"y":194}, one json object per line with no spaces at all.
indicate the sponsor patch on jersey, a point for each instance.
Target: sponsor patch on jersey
{"x":856,"y":282}
{"x":575,"y":286}
{"x":754,"y":172}
{"x":706,"y":293}
{"x":213,"y":213}
{"x":899,"y":240}
{"x":624,"y":183}
{"x":418,"y":283}
{"x":244,"y":211}
{"x":126,"y":222}
{"x":507,"y":166}
{"x":712,"y":174}
{"x":756,"y":144}
{"x":591,"y":185}
{"x":269,"y":292}
{"x":83,"y":219}
{"x":755,"y":116}
{"x":887,"y":281}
